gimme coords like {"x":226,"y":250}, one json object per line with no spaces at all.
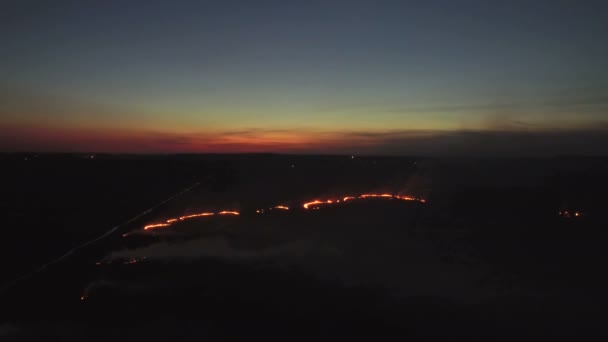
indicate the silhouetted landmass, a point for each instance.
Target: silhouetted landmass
{"x":491,"y":252}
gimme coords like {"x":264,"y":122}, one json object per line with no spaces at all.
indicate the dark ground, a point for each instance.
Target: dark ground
{"x":487,"y":255}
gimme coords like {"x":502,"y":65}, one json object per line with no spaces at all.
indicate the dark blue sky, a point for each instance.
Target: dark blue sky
{"x":284,"y":75}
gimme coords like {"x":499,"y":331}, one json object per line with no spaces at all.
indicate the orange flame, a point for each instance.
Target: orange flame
{"x":225,"y":212}
{"x":308,"y":204}
{"x":156,"y":225}
{"x":376,"y":195}
{"x":315,"y":204}
{"x":194,"y":215}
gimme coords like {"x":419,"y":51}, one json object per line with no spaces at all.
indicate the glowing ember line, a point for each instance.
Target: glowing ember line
{"x":316,"y":203}
{"x":157,"y":225}
{"x":183,"y":218}
{"x":195,"y":215}
{"x":307,"y":205}
{"x":376,"y":195}
{"x":225,"y":212}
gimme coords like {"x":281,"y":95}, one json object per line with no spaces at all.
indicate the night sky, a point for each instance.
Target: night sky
{"x":354,"y":77}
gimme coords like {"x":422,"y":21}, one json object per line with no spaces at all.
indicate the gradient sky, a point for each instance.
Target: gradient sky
{"x":385,"y":77}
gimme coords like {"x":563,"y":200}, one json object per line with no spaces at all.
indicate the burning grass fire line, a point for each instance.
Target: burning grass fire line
{"x":315,"y":204}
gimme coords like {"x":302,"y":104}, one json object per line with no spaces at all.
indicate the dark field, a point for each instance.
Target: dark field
{"x":488,"y":253}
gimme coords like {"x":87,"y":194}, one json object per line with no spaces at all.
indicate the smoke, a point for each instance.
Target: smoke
{"x":368,"y":253}
{"x":224,"y":249}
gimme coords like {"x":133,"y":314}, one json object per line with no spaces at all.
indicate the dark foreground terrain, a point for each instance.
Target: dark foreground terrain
{"x":499,"y":247}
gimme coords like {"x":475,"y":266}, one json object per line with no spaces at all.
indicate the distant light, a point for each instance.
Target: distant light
{"x":352,"y":157}
{"x":293,"y":165}
{"x":577,"y":214}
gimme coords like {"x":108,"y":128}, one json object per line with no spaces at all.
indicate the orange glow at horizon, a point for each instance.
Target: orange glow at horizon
{"x":82,"y":138}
